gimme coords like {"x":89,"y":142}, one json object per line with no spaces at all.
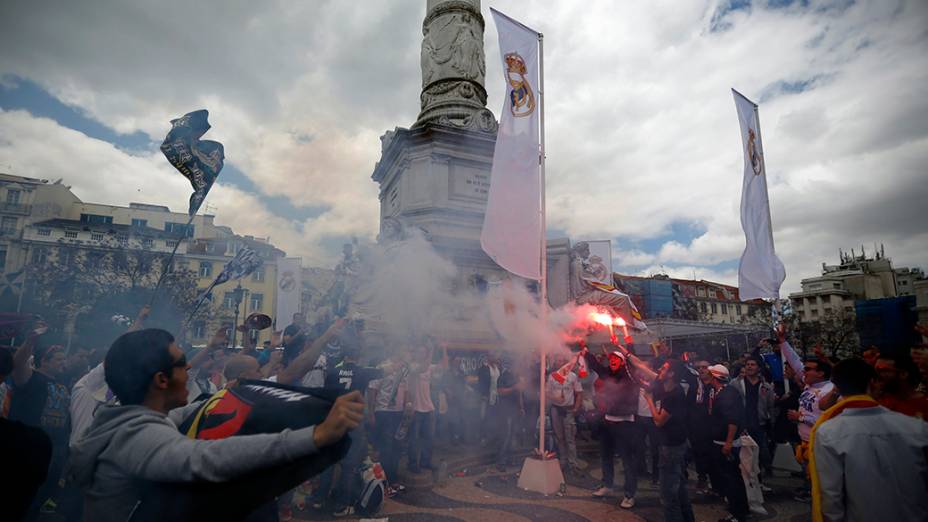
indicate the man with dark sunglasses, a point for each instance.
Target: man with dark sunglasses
{"x":138,"y":442}
{"x":815,"y":375}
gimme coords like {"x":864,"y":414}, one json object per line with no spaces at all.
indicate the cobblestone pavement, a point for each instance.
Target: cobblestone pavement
{"x":484,"y":494}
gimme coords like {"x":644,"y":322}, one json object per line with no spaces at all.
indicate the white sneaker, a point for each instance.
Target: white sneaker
{"x":603,"y":492}
{"x":765,"y":488}
{"x":627,"y":502}
{"x":759,"y":510}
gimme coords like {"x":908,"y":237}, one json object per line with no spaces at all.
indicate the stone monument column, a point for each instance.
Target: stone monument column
{"x":453,"y":67}
{"x":434,"y":177}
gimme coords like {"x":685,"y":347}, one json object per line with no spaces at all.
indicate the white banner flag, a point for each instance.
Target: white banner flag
{"x":512,"y":232}
{"x":760,"y":273}
{"x":289,"y":290}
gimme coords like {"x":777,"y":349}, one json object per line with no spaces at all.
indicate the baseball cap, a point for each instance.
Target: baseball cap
{"x":719,"y":372}
{"x":618,"y":354}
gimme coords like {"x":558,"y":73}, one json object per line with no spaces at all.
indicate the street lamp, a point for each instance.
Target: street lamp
{"x":237,"y":295}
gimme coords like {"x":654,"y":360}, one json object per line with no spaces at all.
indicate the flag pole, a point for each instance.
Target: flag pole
{"x":167,"y":264}
{"x":775,"y":304}
{"x":543,"y":283}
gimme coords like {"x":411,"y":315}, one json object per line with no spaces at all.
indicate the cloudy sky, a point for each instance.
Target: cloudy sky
{"x":642,"y":138}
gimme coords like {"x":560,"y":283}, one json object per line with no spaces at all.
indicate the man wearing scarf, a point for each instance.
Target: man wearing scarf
{"x":867,"y":462}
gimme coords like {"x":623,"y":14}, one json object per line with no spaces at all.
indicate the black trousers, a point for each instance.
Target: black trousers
{"x":726,"y":476}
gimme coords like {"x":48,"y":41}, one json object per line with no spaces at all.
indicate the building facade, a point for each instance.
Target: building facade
{"x":858,"y":277}
{"x":661,"y":296}
{"x":47,"y":223}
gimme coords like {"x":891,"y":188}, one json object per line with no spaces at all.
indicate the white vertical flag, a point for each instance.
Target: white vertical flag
{"x":760,"y":273}
{"x":289,"y":289}
{"x":512,"y":231}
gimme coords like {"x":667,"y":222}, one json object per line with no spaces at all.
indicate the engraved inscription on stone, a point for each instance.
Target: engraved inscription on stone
{"x":469,"y":182}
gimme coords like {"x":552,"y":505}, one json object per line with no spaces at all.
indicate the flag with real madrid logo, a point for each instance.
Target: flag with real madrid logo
{"x":511,"y":233}
{"x":760,"y":272}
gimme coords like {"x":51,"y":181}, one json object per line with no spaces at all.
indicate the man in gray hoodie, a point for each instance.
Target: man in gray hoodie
{"x":138,"y":443}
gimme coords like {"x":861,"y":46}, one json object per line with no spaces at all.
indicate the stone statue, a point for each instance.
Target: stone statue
{"x":452,"y":42}
{"x":585,"y":288}
{"x":453,"y":67}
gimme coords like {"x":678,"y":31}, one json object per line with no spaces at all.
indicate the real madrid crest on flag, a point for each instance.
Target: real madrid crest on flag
{"x":512,"y":225}
{"x":521,"y":98}
{"x":760,"y":272}
{"x":755,"y":156}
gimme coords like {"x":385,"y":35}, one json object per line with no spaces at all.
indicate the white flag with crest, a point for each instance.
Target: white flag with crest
{"x":511,"y":233}
{"x":760,"y":273}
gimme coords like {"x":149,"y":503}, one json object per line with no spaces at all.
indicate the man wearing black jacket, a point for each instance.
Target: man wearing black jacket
{"x":618,"y":398}
{"x":726,"y":420}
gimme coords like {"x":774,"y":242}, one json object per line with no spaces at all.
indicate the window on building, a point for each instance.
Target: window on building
{"x":40,"y":256}
{"x":8,"y":225}
{"x":715,"y":308}
{"x":724,"y":308}
{"x":701,"y":291}
{"x":2,"y":259}
{"x":836,"y":285}
{"x":178,"y":229}
{"x":147,"y":243}
{"x":228,"y":300}
{"x":70,"y":234}
{"x":64,"y":256}
{"x":96,"y":236}
{"x":258,"y":275}
{"x":139,"y":223}
{"x":703,"y":308}
{"x":206,"y":269}
{"x":257,"y":302}
{"x":199,"y":330}
{"x":44,"y":232}
{"x":12,"y":196}
{"x":123,"y":239}
{"x":96,"y":219}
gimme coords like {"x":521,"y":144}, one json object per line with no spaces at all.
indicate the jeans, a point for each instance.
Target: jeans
{"x":387,"y":423}
{"x":648,"y":430}
{"x":726,"y":476}
{"x":349,"y":482}
{"x":677,"y":507}
{"x":624,"y":437}
{"x":502,"y":420}
{"x":422,"y":434}
{"x":759,"y":435}
{"x":702,"y":454}
{"x":564,"y":424}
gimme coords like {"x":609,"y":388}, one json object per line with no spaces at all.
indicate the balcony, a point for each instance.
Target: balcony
{"x":15,"y":208}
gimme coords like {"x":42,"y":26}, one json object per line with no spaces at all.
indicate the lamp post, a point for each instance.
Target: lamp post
{"x":237,"y":295}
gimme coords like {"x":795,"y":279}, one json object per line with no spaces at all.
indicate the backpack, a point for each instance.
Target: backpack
{"x":373,"y":488}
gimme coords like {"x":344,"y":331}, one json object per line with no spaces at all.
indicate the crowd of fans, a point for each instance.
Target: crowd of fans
{"x":85,"y":427}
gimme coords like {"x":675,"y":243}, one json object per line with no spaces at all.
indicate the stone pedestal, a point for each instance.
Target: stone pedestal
{"x":542,"y":476}
{"x":435,"y":178}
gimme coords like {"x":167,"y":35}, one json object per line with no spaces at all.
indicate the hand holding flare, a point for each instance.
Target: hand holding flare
{"x":608,"y":320}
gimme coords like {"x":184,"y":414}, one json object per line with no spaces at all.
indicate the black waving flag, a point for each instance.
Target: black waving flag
{"x":251,"y":407}
{"x":198,"y":160}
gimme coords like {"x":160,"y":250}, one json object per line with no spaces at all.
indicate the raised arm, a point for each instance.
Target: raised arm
{"x":305,"y":361}
{"x":139,"y":322}
{"x":218,"y":341}
{"x":642,"y":371}
{"x":22,"y":370}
